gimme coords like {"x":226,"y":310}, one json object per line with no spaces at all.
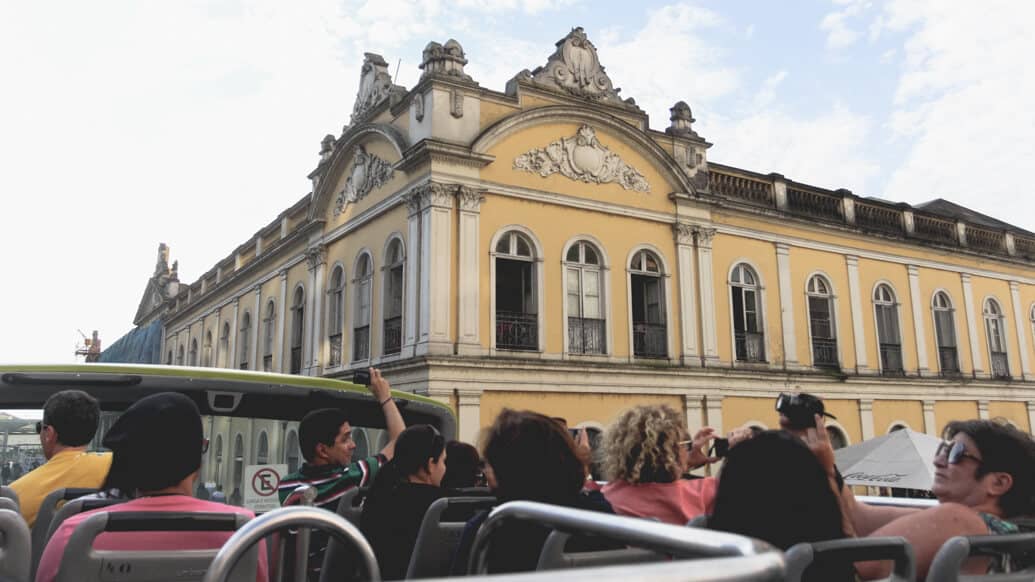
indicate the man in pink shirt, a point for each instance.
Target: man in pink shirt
{"x":157,"y":443}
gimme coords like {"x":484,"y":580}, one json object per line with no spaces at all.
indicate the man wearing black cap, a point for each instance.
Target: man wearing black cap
{"x":157,"y":446}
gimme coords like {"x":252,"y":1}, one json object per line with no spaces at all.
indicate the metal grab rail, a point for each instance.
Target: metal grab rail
{"x":955,"y":551}
{"x":897,"y":549}
{"x":303,"y":495}
{"x":260,"y":527}
{"x":660,"y":537}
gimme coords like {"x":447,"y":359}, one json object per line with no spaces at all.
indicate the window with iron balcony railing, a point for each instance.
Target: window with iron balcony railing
{"x":891,"y":359}
{"x":361,"y":345}
{"x":517,"y":331}
{"x":749,"y":346}
{"x":585,"y":335}
{"x":393,"y":335}
{"x":650,"y":340}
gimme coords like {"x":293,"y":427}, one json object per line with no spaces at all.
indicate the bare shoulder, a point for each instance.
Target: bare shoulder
{"x":955,"y":516}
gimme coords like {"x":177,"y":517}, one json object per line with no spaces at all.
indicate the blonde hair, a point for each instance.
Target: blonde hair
{"x":641,"y":445}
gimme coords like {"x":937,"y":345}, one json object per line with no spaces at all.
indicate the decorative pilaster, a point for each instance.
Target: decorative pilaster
{"x":1031,"y":415}
{"x":930,"y":423}
{"x":1022,"y":327}
{"x":709,"y":336}
{"x":316,"y":256}
{"x":436,"y":203}
{"x":469,"y":202}
{"x":694,"y":407}
{"x":231,"y":341}
{"x":855,"y":298}
{"x":413,"y":311}
{"x":689,"y":353}
{"x":713,"y":416}
{"x":214,"y":355}
{"x":983,"y":409}
{"x":280,"y":357}
{"x":866,"y":417}
{"x":918,"y":320}
{"x":256,"y":324}
{"x":975,"y":348}
{"x":468,"y":414}
{"x":783,"y":269}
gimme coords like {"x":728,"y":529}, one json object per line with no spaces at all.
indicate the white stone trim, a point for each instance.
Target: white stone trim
{"x":436,"y":278}
{"x":1019,"y":322}
{"x":278,"y":357}
{"x":415,"y":276}
{"x":918,"y":320}
{"x":468,"y":414}
{"x":855,"y":299}
{"x":256,"y":324}
{"x":930,"y":426}
{"x":866,"y":418}
{"x":975,"y":349}
{"x":834,"y":311}
{"x":895,"y":423}
{"x":666,"y":280}
{"x":689,"y":353}
{"x":318,"y":343}
{"x":983,"y":409}
{"x":537,"y":271}
{"x":705,"y":270}
{"x":232,"y":340}
{"x":783,"y":270}
{"x":469,"y":286}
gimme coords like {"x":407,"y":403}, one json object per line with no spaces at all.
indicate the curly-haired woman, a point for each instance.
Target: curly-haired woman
{"x":647,"y":450}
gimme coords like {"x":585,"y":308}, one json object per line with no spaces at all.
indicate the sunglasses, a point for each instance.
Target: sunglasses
{"x":955,"y":452}
{"x":40,"y":426}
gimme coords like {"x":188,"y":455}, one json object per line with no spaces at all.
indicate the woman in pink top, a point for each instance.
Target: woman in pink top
{"x":157,"y":444}
{"x":646,"y":453}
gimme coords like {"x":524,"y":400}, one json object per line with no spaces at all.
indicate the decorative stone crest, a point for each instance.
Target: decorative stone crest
{"x":368,"y":172}
{"x":447,"y":60}
{"x":582,"y":158}
{"x":681,"y":119}
{"x":375,"y":85}
{"x":575,"y":69}
{"x":418,"y":106}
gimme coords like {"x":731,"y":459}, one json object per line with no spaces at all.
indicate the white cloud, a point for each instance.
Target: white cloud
{"x":838,"y":33}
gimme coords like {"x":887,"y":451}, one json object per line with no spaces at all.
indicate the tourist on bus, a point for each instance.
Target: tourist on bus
{"x":69,"y":424}
{"x":157,"y":446}
{"x":464,"y":467}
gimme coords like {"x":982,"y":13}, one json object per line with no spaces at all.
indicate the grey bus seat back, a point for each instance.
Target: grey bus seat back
{"x":6,"y":503}
{"x":81,"y":562}
{"x":556,"y":555}
{"x":9,"y":493}
{"x":350,"y":505}
{"x":14,"y":546}
{"x":849,"y":551}
{"x":339,"y":558}
{"x":440,"y":533}
{"x":950,"y":557}
{"x":680,"y":542}
{"x":75,"y":507}
{"x":49,"y":508}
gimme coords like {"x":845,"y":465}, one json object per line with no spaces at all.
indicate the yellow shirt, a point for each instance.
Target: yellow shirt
{"x":69,"y":468}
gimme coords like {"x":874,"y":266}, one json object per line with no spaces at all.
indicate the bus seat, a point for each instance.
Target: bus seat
{"x":75,"y":507}
{"x":699,"y":521}
{"x":48,"y":509}
{"x":14,"y":546}
{"x":350,"y":505}
{"x":950,"y":557}
{"x":440,"y":532}
{"x":81,"y":562}
{"x":849,"y":551}
{"x":7,"y":503}
{"x":8,"y":493}
{"x":558,"y":553}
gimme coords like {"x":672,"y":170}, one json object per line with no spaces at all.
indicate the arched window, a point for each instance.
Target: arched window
{"x":268,"y":323}
{"x":193,"y":353}
{"x":206,"y":352}
{"x":291,"y":451}
{"x":245,"y":340}
{"x":821,"y":323}
{"x":517,"y":309}
{"x":945,"y":333}
{"x":746,"y":296}
{"x":649,"y":321}
{"x":217,"y":476}
{"x":885,"y":309}
{"x":236,"y":496}
{"x":995,"y":324}
{"x":262,"y":453}
{"x":361,"y":326}
{"x":838,"y":440}
{"x":297,"y":330}
{"x":335,"y":314}
{"x":223,"y":351}
{"x":179,"y":356}
{"x":169,"y":358}
{"x":393,"y":300}
{"x":584,"y":286}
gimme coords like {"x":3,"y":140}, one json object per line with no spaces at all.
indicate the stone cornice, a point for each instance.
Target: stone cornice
{"x":428,"y":151}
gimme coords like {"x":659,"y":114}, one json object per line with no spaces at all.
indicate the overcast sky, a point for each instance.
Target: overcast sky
{"x":128,"y":123}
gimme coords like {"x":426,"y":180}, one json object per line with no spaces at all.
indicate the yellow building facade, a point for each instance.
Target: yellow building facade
{"x":544,"y":248}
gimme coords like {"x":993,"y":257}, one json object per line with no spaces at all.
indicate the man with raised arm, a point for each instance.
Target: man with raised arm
{"x":69,"y":423}
{"x":325,"y":437}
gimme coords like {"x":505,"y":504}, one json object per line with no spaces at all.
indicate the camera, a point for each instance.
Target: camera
{"x":801,"y":410}
{"x":720,"y":447}
{"x":361,"y":377}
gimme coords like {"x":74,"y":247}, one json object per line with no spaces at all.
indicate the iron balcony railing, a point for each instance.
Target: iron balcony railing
{"x":296,"y":360}
{"x":1000,"y":365}
{"x":749,"y":346}
{"x":517,"y":331}
{"x":361,"y":343}
{"x":393,"y":335}
{"x":949,"y":361}
{"x":824,"y":353}
{"x":891,"y":359}
{"x":335,"y":356}
{"x":585,"y":335}
{"x":650,"y":340}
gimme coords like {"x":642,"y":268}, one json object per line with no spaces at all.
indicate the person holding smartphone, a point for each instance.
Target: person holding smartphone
{"x":325,"y":438}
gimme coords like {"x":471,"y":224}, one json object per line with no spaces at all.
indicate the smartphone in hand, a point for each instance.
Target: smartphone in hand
{"x":361,"y":377}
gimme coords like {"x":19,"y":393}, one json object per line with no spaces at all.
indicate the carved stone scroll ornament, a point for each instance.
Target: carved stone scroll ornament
{"x":368,"y":172}
{"x":575,"y":69}
{"x":583,"y":158}
{"x":375,"y":85}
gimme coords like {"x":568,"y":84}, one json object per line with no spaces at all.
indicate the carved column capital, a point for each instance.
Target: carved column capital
{"x":684,"y":233}
{"x":704,"y":237}
{"x":431,"y":194}
{"x":469,"y":199}
{"x":316,"y":256}
{"x":283,"y":276}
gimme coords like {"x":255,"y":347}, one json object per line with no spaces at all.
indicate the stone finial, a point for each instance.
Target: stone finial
{"x":575,"y":69}
{"x":681,"y":119}
{"x":446,"y":60}
{"x":162,"y":264}
{"x":375,"y":85}
{"x":326,"y":147}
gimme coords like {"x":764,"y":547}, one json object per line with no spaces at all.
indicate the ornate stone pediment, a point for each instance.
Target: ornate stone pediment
{"x":375,"y":85}
{"x":368,"y":172}
{"x":575,"y":69}
{"x":583,"y":158}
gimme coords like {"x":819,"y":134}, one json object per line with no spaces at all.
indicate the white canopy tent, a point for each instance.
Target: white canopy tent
{"x":904,"y":459}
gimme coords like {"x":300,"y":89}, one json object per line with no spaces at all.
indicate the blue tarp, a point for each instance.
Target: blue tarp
{"x":140,"y":346}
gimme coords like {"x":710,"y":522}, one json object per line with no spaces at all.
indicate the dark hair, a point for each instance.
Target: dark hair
{"x":463,"y":466}
{"x":74,"y":415}
{"x":319,"y":426}
{"x":414,"y":447}
{"x":1004,"y":448}
{"x":533,"y":458}
{"x":773,"y":488}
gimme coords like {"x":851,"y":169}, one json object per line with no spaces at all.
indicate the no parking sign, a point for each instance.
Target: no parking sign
{"x":260,"y":487}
